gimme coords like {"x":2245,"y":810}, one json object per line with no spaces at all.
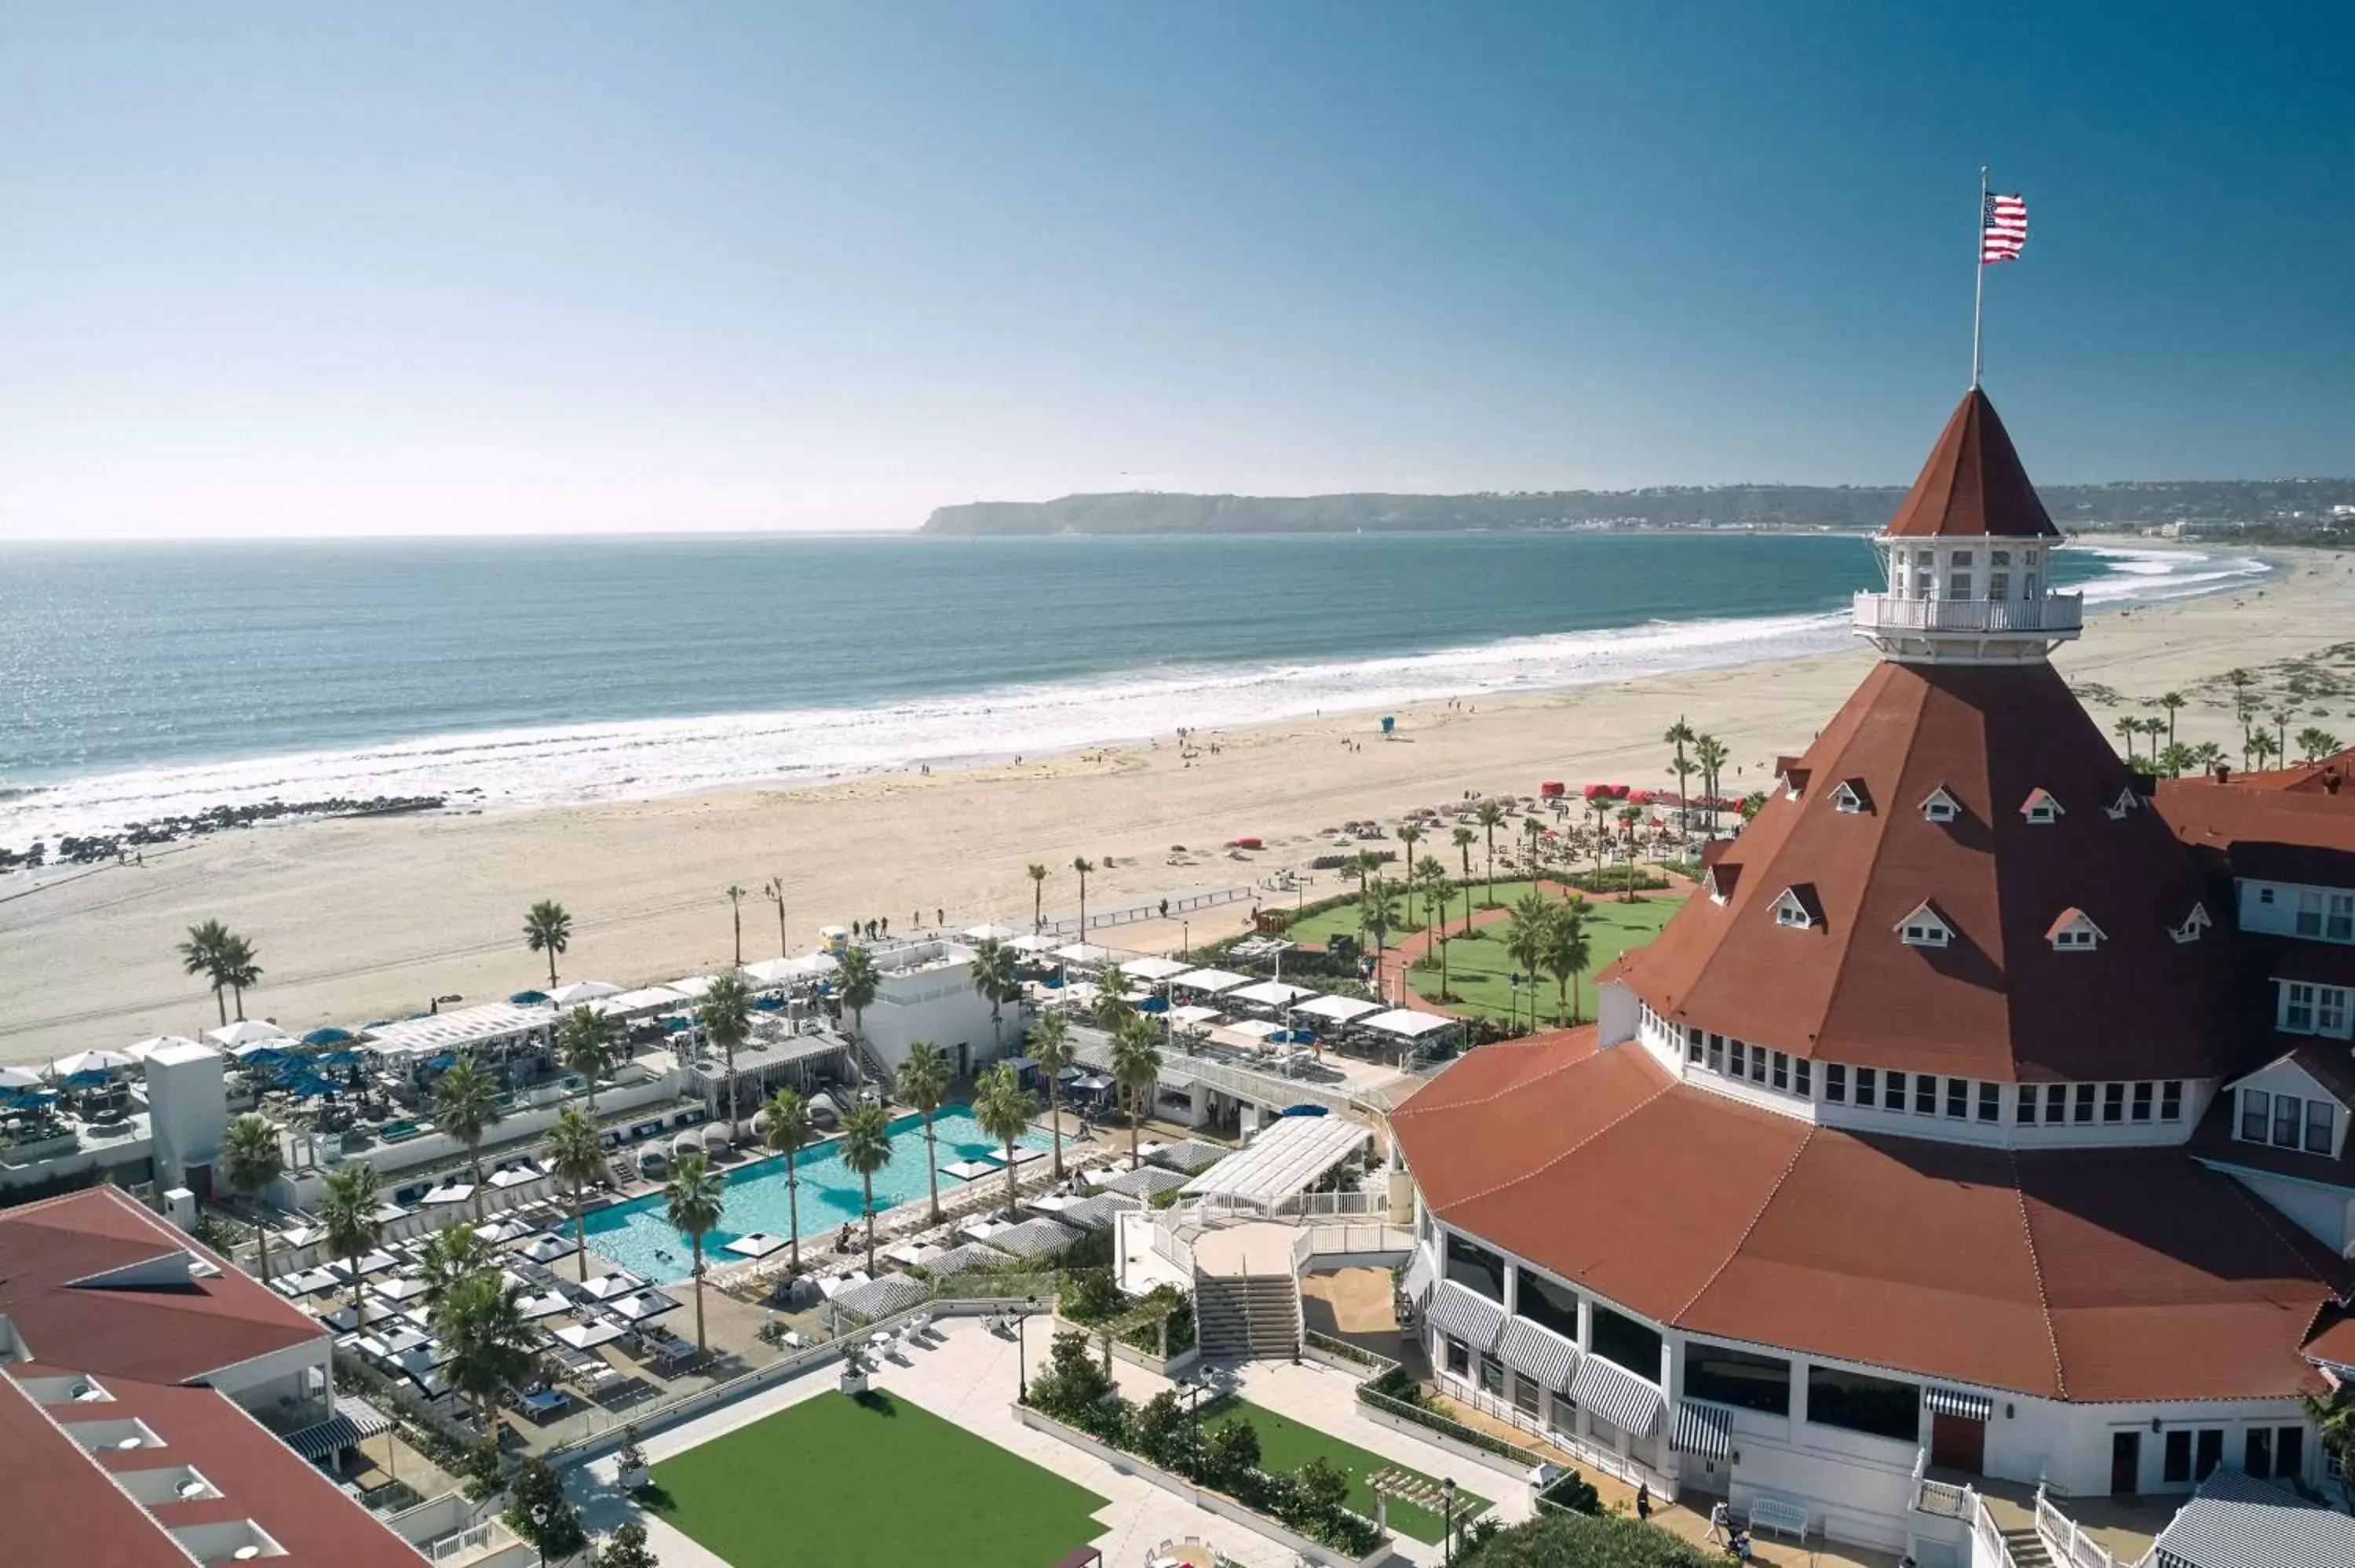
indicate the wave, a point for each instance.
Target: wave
{"x":645,"y":758}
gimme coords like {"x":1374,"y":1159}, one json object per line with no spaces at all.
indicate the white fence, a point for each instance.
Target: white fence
{"x":2066,"y":1542}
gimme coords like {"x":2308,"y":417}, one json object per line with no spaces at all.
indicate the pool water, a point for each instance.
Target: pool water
{"x":638,"y":1236}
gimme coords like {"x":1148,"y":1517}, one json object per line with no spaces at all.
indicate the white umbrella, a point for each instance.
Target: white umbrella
{"x":245,"y":1031}
{"x":17,"y":1078}
{"x":88,"y":1061}
{"x":693,"y":985}
{"x":146,"y":1048}
{"x":583,"y":990}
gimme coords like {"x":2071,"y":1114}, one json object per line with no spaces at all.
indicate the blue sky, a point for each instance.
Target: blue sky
{"x":474,"y":269}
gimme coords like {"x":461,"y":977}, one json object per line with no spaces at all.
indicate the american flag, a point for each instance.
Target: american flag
{"x":2003,"y":229}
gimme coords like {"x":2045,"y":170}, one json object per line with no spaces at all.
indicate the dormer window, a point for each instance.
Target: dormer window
{"x":2041,"y":807}
{"x":1794,"y":781}
{"x":1795,"y":908}
{"x":1721,"y":878}
{"x":2125,"y":802}
{"x":1851,"y":798}
{"x":1941,"y":806}
{"x":2191,"y":926}
{"x":2074,"y":932}
{"x":1924,"y":929}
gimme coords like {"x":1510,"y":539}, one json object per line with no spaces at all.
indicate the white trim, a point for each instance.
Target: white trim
{"x":1937,"y":801}
{"x":1924,"y":927}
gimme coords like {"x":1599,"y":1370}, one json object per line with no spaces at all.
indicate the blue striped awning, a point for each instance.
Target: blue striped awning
{"x":1536,"y":1352}
{"x":1630,"y":1403}
{"x":1703,"y":1430}
{"x":1466,"y":1315}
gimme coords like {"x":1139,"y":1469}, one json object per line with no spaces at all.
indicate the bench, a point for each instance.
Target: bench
{"x":1781,"y":1516}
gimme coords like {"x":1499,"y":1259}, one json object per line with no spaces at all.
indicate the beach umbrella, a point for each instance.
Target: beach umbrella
{"x":87,"y":1078}
{"x":245,"y":1031}
{"x":583,"y":990}
{"x":527,"y":997}
{"x":1302,"y":1110}
{"x":328,"y":1036}
{"x":1153,"y":1004}
{"x":343,"y":1058}
{"x":17,"y":1078}
{"x":100,"y":1062}
{"x":261,"y":1056}
{"x":145,"y":1048}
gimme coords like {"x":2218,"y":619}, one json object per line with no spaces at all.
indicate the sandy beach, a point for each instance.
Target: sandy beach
{"x":361,"y":919}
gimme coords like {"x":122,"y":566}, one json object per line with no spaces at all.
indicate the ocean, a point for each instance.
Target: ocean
{"x":138,"y":682}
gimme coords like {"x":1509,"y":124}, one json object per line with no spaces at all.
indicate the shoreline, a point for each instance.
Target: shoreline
{"x":369,"y":917}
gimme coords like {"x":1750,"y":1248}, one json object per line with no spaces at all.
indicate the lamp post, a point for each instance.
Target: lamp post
{"x":1193,"y":1387}
{"x":540,"y":1532}
{"x":1022,"y":1356}
{"x":1447,"y":1518}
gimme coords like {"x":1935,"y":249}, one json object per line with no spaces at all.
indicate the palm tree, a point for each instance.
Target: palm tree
{"x":251,"y":1160}
{"x":787,"y":1128}
{"x":1378,"y":915}
{"x":576,"y":1158}
{"x":854,"y":985}
{"x":1409,"y":835}
{"x":1083,"y":866}
{"x":692,"y":1200}
{"x":347,"y":1213}
{"x":2127,"y":726}
{"x":1680,"y":735}
{"x":736,"y":916}
{"x":865,"y":1148}
{"x":1003,"y":1109}
{"x":1534,"y":831}
{"x":1464,"y":838}
{"x":1434,"y":876}
{"x":451,"y":1257}
{"x":546,"y":928}
{"x":1711,"y":756}
{"x":2314,"y":743}
{"x":2334,"y":1421}
{"x":2281,"y":732}
{"x":1135,"y":1063}
{"x":586,"y":1045}
{"x":774,"y":890}
{"x":2262,"y":746}
{"x":2174,"y":703}
{"x":2206,"y":756}
{"x":1525,"y":935}
{"x":1112,"y":1007}
{"x":993,"y":978}
{"x":240,"y":969}
{"x":1038,"y":891}
{"x":203,"y":953}
{"x":1490,"y":816}
{"x":725,"y":1016}
{"x":1050,"y":1046}
{"x":465,"y":1105}
{"x":1564,"y":953}
{"x":490,"y":1344}
{"x":924,"y":1084}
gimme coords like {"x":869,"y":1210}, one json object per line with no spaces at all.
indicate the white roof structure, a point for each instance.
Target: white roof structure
{"x":693,"y":985}
{"x":245,"y":1031}
{"x":803,"y":966}
{"x":144,"y":1048}
{"x":457,"y":1030}
{"x":1408,"y":1024}
{"x":1036,"y":942}
{"x":647,"y":999}
{"x":1153,"y":968}
{"x":87,"y":1062}
{"x":578,"y":991}
{"x":1084,"y":953}
{"x":989,"y":932}
{"x":1282,"y":1161}
{"x":1271,"y":993}
{"x":1339,"y":1009}
{"x":1254,"y":1028}
{"x":1209,"y":982}
{"x":1191,"y":1014}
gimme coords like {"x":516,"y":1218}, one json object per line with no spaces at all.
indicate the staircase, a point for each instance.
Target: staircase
{"x":1247,"y":1316}
{"x":2027,"y":1548}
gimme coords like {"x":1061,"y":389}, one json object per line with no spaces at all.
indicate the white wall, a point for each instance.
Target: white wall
{"x":2326,"y":1213}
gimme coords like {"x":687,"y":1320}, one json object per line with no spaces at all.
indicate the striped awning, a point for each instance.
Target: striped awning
{"x":1630,"y":1403}
{"x":1418,"y":1281}
{"x":1703,"y":1430}
{"x":1537,"y":1351}
{"x":353,"y":1420}
{"x":1466,"y":1315}
{"x":1944,"y":1401}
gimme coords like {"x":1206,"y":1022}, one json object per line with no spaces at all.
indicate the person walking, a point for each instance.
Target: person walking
{"x":1644,"y":1502}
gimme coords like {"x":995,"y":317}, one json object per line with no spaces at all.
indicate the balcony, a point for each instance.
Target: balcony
{"x":2055,"y":615}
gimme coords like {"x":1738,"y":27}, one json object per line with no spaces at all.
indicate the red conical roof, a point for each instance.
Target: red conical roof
{"x":1973,"y":483}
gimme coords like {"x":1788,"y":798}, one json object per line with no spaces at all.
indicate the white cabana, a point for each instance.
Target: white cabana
{"x":245,"y":1031}
{"x":492,"y":1023}
{"x":970,"y":1170}
{"x":588,"y":1336}
{"x":646,"y":999}
{"x":578,"y":991}
{"x":757,"y":1243}
{"x":1272,"y":993}
{"x":1406,"y":1024}
{"x":1036,"y":942}
{"x":1210,"y":982}
{"x":613,"y":1287}
{"x":693,"y":986}
{"x":1191,"y":1014}
{"x":1338,"y":1009}
{"x":143,"y":1049}
{"x":1282,"y":1160}
{"x":1084,"y":953}
{"x":451,"y":1192}
{"x":91,"y":1062}
{"x":546,"y":1305}
{"x":1254,"y":1028}
{"x":641,"y":1305}
{"x":548,"y":1246}
{"x":1153,"y":969}
{"x":990,"y":932}
{"x":783,"y":972}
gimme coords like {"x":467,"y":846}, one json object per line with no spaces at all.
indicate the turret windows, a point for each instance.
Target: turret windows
{"x":2041,"y":807}
{"x":1796,"y":908}
{"x":2074,"y":931}
{"x":1922,"y":928}
{"x":1851,"y":797}
{"x":1941,"y":806}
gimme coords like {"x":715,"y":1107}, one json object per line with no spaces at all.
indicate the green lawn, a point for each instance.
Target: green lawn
{"x":1342,"y":918}
{"x":1286,"y":1444}
{"x":1476,"y":970}
{"x":875,"y":1484}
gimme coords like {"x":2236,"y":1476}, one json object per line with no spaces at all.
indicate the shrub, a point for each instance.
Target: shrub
{"x":1073,"y":1387}
{"x":1574,"y":1492}
{"x":627,"y":1548}
{"x":1229,"y":1450}
{"x":537,"y":1512}
{"x":1160,"y":1430}
{"x":1324,"y":1489}
{"x":1584,"y":1541}
{"x":1089,"y":1296}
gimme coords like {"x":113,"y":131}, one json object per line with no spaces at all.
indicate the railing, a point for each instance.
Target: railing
{"x":468,"y":1542}
{"x":2064,"y":1541}
{"x":1316,"y":1241}
{"x":1990,"y":1538}
{"x":2054,"y":612}
{"x":1320,"y":1205}
{"x":1143,"y":909}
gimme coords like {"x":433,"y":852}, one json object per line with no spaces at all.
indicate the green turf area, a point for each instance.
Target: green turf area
{"x":878,"y":1483}
{"x":1342,"y":918}
{"x":1286,"y":1444}
{"x":1476,"y":970}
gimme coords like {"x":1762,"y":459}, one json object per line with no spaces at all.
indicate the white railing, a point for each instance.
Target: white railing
{"x":1997,"y":1552}
{"x":1888,"y":612}
{"x":1320,"y":1205}
{"x":2066,"y":1542}
{"x":469,"y":1543}
{"x":1359,"y":1239}
{"x":1170,"y":1241}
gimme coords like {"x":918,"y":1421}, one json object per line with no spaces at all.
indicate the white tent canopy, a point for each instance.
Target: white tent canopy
{"x":1282,"y":1160}
{"x":1339,"y":1009}
{"x":143,"y":1049}
{"x":1153,"y":969}
{"x":647,"y":999}
{"x":1408,"y":1024}
{"x":1209,"y":982}
{"x":1191,"y":1014}
{"x":1036,"y":942}
{"x":579,"y":992}
{"x":805,"y":966}
{"x":990,"y":931}
{"x":1272,"y":993}
{"x":87,"y":1062}
{"x":245,"y":1031}
{"x":457,"y":1030}
{"x":693,"y":985}
{"x":1254,"y":1028}
{"x":1084,"y":953}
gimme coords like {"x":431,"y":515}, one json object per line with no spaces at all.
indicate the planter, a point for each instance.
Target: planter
{"x":634,"y":1476}
{"x":853,"y":1381}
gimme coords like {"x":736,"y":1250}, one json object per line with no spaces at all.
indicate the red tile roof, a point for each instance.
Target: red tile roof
{"x":2099,"y":1275}
{"x":54,"y":1260}
{"x":1998,"y":1002}
{"x":82,"y":1520}
{"x":2283,"y":836}
{"x":1973,"y":483}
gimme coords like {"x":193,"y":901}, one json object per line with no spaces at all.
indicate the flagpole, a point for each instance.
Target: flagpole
{"x":1979,"y":291}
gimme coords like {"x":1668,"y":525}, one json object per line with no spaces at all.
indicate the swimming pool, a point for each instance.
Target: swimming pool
{"x":638,"y":1236}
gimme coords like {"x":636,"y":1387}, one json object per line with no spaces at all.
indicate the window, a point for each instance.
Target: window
{"x":2073,"y":931}
{"x":1543,"y":1302}
{"x":1476,"y":1268}
{"x":2309,"y":912}
{"x":1459,"y":1357}
{"x":2289,"y":1450}
{"x":1758,"y":1063}
{"x":1864,"y":1077}
{"x":1924,"y":929}
{"x":1802,"y":1079}
{"x":2170,"y":1100}
{"x":1958,"y":585}
{"x":1790,"y":910}
{"x":1717,"y":1053}
{"x":1782,"y":1071}
{"x":1925,"y":1094}
{"x":2298,"y":1008}
{"x":2330,"y":1010}
{"x":2113,"y":1102}
{"x":1941,"y":806}
{"x":2056,"y":1103}
{"x":2265,"y":895}
{"x":1746,"y":1382}
{"x":2340,"y":926}
{"x":1834,"y":1082}
{"x":1959,"y":558}
{"x":2142,"y":1102}
{"x":1893,"y":1095}
{"x":1626,"y":1343}
{"x":2256,"y":1115}
{"x":1492,"y":1375}
{"x":1735,"y":1053}
{"x":2257,"y":1452}
{"x":2290,"y":1118}
{"x":1858,"y":1402}
{"x":2175,"y":1468}
{"x":1999,"y":585}
{"x":2084,"y":1103}
{"x":2026,"y":1114}
{"x":2193,"y":925}
{"x":2208,"y":1453}
{"x":1990,"y":1102}
{"x":1525,"y":1396}
{"x":1692,"y":1044}
{"x":1958,"y":1098}
{"x":2041,"y":807}
{"x":1999,"y":558}
{"x":1851,"y":797}
{"x":2317,"y":1126}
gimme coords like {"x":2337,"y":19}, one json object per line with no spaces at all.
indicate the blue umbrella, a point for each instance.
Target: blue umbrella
{"x":1153,"y":1004}
{"x":329,"y":1036}
{"x":87,"y":1078}
{"x":442,"y":1062}
{"x":1052,"y":983}
{"x":343,"y":1059}
{"x":1302,"y":1110}
{"x":526,"y":998}
{"x":768,"y":1003}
